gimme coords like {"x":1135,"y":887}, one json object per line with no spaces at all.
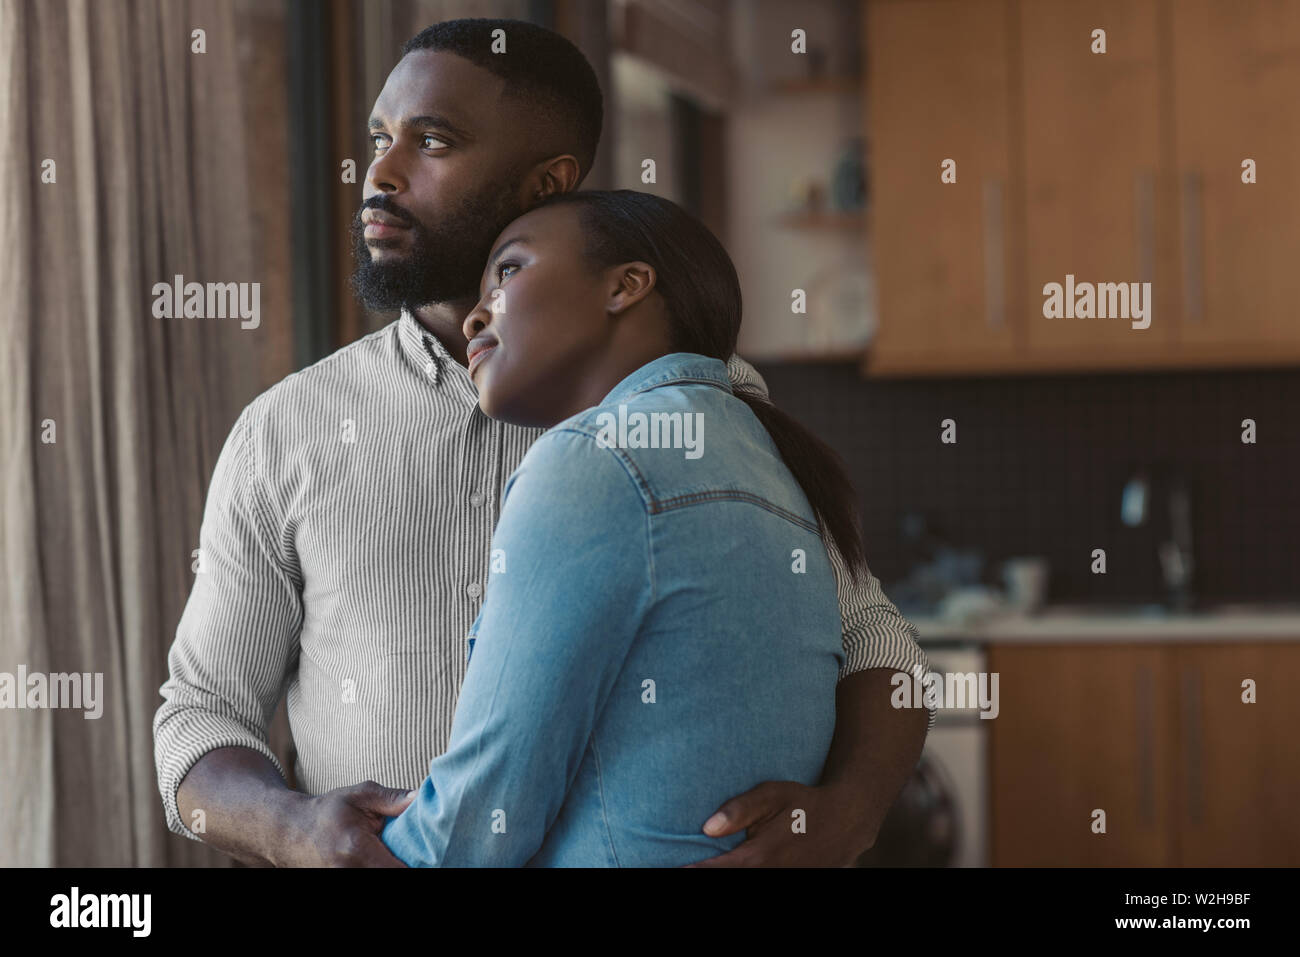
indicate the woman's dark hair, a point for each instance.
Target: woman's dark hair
{"x":701,"y":292}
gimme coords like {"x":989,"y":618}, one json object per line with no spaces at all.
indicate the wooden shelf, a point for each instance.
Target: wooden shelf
{"x":829,"y":354}
{"x":917,"y":363}
{"x":816,"y":85}
{"x":825,"y":220}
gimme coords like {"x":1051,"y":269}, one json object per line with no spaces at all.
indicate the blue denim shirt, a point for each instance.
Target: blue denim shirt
{"x":660,"y":632}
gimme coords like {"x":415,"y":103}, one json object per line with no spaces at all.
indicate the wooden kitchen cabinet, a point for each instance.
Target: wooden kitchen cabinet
{"x":1080,"y":727}
{"x":1236,"y":80}
{"x":1119,"y":167}
{"x":1097,"y":182}
{"x":938,"y":87}
{"x":1158,"y":736}
{"x":1236,"y":784}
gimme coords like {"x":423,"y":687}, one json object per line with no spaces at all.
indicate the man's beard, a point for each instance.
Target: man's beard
{"x":442,"y":264}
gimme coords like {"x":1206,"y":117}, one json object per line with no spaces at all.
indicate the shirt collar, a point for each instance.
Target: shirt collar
{"x":672,"y":368}
{"x":424,"y":349}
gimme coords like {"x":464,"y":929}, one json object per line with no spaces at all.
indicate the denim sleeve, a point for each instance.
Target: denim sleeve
{"x":570,"y":580}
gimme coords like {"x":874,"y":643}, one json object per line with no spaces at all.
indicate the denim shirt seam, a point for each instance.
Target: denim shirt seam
{"x":638,"y":480}
{"x":658,"y":505}
{"x":655,"y":505}
{"x":647,"y":515}
{"x":621,"y":455}
{"x":600,"y":790}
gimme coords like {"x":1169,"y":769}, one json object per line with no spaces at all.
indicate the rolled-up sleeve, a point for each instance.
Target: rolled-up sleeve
{"x":237,"y":635}
{"x":875,"y":633}
{"x":565,"y":597}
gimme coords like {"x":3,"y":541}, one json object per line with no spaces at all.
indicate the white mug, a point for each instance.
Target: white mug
{"x":1026,"y":582}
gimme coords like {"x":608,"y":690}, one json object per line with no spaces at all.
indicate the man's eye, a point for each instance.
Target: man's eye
{"x":428,"y":141}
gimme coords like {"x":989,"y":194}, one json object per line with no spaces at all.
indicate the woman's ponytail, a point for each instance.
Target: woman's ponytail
{"x":821,"y":474}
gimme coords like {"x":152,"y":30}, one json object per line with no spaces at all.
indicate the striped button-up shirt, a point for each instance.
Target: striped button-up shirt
{"x":343,"y":556}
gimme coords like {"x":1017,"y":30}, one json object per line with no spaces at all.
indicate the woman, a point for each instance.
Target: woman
{"x":661,"y":628}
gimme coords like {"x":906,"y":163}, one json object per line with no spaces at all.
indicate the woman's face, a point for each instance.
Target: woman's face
{"x":540,"y":328}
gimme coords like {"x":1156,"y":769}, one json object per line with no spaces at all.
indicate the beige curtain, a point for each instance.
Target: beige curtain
{"x":166,"y":162}
{"x":151,"y":175}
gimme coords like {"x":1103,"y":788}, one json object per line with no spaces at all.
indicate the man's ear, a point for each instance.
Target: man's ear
{"x":559,"y":174}
{"x":629,"y":284}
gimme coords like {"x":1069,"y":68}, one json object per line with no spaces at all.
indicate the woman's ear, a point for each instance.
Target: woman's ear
{"x":629,"y":284}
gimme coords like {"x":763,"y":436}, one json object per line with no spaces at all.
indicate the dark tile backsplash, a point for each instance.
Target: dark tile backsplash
{"x":1040,"y":463}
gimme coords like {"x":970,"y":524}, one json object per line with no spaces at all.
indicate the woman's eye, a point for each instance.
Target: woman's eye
{"x":501,"y":269}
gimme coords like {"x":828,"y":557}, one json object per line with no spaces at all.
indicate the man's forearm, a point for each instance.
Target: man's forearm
{"x":244,"y":801}
{"x":875,"y":748}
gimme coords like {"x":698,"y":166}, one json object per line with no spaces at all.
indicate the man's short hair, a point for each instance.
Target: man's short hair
{"x":539,"y":66}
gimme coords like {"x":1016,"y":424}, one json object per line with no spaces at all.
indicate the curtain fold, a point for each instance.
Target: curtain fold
{"x":152,"y":181}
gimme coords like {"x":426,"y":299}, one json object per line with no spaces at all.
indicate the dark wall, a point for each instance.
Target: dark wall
{"x":1040,"y":463}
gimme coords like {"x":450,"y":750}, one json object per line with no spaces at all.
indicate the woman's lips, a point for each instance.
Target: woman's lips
{"x":477,"y":358}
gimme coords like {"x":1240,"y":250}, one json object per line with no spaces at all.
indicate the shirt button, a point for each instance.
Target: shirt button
{"x":430,"y":368}
{"x":474,"y":589}
{"x":476,"y":499}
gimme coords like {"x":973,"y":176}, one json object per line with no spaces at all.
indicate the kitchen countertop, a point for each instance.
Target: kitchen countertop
{"x":1080,"y":625}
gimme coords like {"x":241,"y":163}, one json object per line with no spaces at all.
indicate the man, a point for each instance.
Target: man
{"x":345,"y":539}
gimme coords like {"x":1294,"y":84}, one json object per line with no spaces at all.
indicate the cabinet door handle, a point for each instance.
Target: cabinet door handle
{"x":1192,"y":737}
{"x":1144,"y":206}
{"x":994,"y":271}
{"x":1193,"y":230}
{"x":1146,"y":709}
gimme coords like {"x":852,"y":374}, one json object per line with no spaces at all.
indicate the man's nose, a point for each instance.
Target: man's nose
{"x":387,"y":174}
